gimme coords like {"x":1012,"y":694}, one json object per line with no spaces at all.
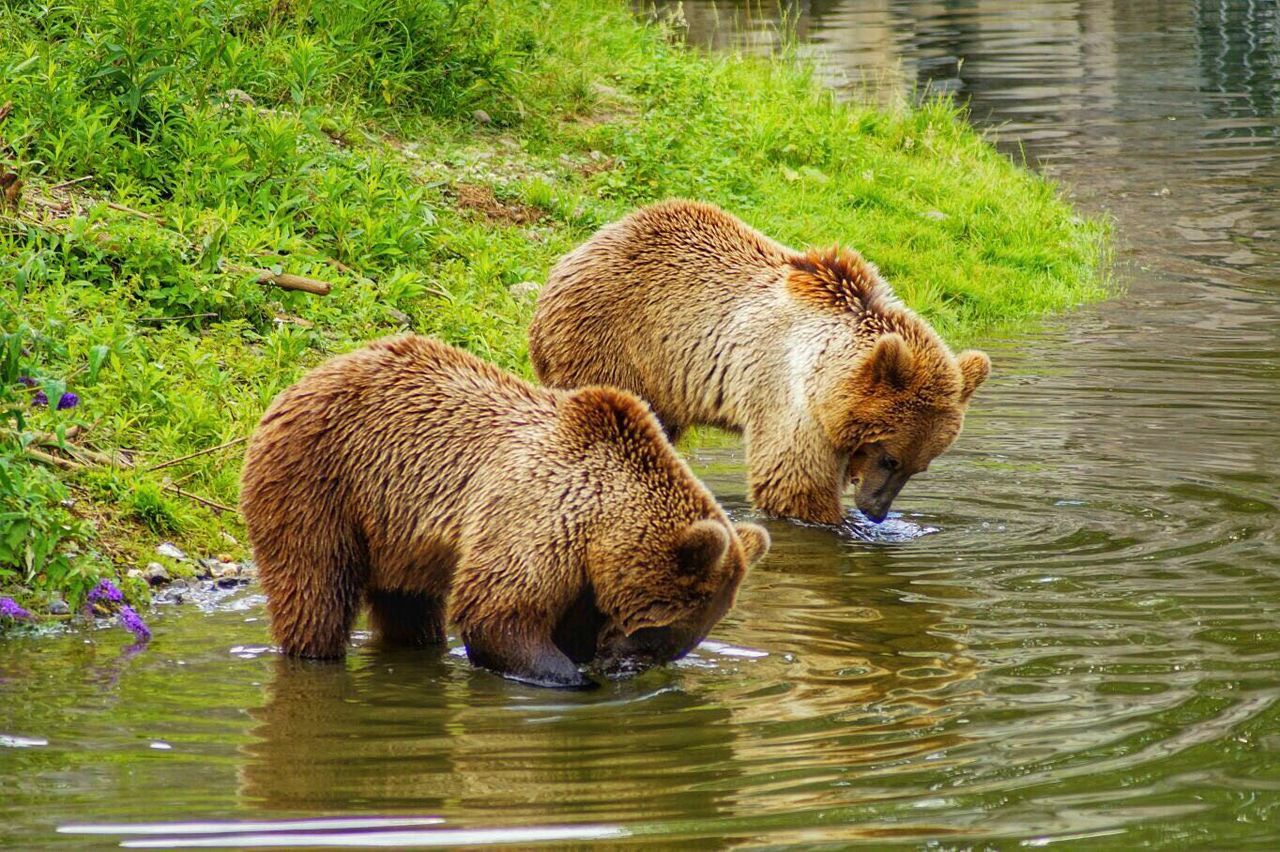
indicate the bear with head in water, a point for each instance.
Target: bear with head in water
{"x":552,"y":527}
{"x":810,"y":355}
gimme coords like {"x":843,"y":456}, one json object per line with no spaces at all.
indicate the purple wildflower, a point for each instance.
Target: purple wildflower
{"x":39,"y":398}
{"x":133,"y":623}
{"x":26,"y":381}
{"x":106,"y":591}
{"x":68,"y":400}
{"x":10,"y":609}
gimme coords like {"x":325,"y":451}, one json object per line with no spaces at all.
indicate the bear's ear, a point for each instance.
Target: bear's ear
{"x":599,"y":413}
{"x":755,"y":541}
{"x":975,"y":366}
{"x":889,"y":364}
{"x":701,"y":546}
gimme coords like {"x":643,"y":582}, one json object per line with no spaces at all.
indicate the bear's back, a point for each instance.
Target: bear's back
{"x":400,"y":419}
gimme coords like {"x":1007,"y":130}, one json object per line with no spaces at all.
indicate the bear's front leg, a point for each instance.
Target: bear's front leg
{"x":522,"y":654}
{"x":794,"y":475}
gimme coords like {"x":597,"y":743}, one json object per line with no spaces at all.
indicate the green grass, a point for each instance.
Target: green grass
{"x":321,"y":139}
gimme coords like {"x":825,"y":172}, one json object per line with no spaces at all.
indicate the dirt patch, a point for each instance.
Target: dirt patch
{"x":480,"y":199}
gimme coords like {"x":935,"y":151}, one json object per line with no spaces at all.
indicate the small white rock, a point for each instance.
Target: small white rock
{"x":171,"y":550}
{"x":156,"y":574}
{"x":525,"y":291}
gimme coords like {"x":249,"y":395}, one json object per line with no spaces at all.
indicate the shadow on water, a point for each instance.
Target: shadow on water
{"x":1071,"y":633}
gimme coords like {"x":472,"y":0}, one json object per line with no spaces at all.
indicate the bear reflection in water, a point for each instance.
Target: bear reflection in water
{"x":399,"y":731}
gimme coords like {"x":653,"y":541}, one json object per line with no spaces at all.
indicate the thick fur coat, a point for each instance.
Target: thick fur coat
{"x":808,"y":354}
{"x":551,"y":527}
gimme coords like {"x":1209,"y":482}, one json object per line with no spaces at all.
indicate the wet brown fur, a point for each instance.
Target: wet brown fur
{"x":809,"y":354}
{"x":435,"y":488}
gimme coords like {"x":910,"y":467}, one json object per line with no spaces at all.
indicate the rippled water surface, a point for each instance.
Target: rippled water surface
{"x":1071,"y":634}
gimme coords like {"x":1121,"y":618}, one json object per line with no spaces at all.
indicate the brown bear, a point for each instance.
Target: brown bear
{"x":435,"y":487}
{"x":809,"y":355}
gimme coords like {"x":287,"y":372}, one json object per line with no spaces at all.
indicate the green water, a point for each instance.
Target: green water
{"x":1070,"y":636}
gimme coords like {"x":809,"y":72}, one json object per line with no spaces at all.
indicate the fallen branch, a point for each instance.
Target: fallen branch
{"x":112,"y":459}
{"x":285,"y":319}
{"x":205,"y":451}
{"x":283,"y":280}
{"x":69,"y":183}
{"x":187,"y":477}
{"x":149,"y":216}
{"x":287,"y":281}
{"x":50,"y":458}
{"x":202,"y":500}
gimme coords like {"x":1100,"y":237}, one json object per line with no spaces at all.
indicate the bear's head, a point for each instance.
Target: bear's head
{"x":901,"y":406}
{"x":662,"y":560}
{"x":682,"y":594}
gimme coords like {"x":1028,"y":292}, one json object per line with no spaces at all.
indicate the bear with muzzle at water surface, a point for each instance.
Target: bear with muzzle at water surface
{"x":554,"y":528}
{"x":809,"y":355}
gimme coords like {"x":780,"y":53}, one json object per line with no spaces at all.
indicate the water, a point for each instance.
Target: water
{"x":1071,"y":634}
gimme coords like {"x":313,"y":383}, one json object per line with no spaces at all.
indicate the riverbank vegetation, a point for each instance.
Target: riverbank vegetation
{"x":171,"y":170}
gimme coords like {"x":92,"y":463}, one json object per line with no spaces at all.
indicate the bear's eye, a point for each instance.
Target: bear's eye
{"x":889,"y":463}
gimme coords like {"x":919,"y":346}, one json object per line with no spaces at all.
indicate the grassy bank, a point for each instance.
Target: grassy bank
{"x":424,"y":160}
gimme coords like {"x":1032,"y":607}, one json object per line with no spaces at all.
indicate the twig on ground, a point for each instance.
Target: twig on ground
{"x":68,"y":183}
{"x":149,"y":216}
{"x":50,"y":458}
{"x":284,"y":280}
{"x":185,"y":478}
{"x":113,"y":459}
{"x":205,"y":451}
{"x":285,"y":319}
{"x":202,"y":500}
